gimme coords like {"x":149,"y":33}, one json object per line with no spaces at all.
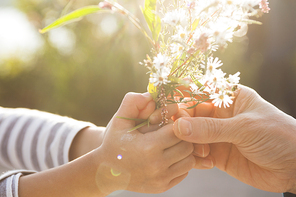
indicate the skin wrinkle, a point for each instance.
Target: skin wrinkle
{"x":211,"y":125}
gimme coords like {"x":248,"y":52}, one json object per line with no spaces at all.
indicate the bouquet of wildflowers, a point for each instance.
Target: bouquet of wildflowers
{"x":183,"y":35}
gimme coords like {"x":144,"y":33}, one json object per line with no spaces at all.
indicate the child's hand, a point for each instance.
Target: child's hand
{"x":149,"y":163}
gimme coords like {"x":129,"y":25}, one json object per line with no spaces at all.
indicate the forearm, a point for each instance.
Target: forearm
{"x":85,"y":141}
{"x":75,"y":179}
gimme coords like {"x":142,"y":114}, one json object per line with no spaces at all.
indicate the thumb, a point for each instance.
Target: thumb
{"x":206,"y":130}
{"x":131,"y":107}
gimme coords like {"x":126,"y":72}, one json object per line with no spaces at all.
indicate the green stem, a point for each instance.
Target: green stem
{"x":180,"y":66}
{"x":133,"y":19}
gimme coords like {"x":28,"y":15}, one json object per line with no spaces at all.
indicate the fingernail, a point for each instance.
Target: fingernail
{"x":207,"y":163}
{"x":184,"y":127}
{"x":200,"y":152}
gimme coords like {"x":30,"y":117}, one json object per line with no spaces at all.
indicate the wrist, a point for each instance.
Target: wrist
{"x":85,"y":141}
{"x":110,"y":176}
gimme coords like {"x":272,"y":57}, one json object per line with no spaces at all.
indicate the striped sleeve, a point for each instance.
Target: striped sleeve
{"x":9,"y":182}
{"x":9,"y":186}
{"x":35,"y":140}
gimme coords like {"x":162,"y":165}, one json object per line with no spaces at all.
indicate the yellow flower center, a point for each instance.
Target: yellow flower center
{"x":210,"y":68}
{"x":221,"y":97}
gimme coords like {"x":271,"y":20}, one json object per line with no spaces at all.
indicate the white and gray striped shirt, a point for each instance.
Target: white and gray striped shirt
{"x":33,"y":141}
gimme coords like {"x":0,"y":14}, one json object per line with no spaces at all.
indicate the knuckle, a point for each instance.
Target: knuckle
{"x":248,"y":129}
{"x":130,"y":95}
{"x":191,"y":161}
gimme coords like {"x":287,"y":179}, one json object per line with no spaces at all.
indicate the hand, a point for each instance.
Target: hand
{"x":150,"y":162}
{"x":91,"y":138}
{"x":252,"y":140}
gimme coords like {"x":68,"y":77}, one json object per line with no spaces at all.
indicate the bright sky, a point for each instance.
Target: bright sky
{"x":18,"y":38}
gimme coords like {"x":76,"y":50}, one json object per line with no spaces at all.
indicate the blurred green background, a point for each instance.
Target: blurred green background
{"x":83,"y":70}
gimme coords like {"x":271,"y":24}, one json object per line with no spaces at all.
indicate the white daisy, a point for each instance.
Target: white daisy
{"x":160,"y":76}
{"x":216,"y":80}
{"x":221,"y":98}
{"x":222,"y":30}
{"x":212,"y":65}
{"x":160,"y":60}
{"x":234,"y":79}
{"x":177,"y":49}
{"x":175,"y":17}
{"x":181,"y":34}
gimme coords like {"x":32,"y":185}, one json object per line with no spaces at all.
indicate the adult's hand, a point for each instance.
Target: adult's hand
{"x":252,"y":140}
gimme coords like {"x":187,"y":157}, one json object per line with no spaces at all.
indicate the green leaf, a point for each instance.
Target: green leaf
{"x":153,"y":21}
{"x":139,"y":126}
{"x":134,"y":119}
{"x":250,"y":21}
{"x":193,"y":106}
{"x":199,"y":85}
{"x":71,"y":17}
{"x":146,"y":122}
{"x":177,"y":90}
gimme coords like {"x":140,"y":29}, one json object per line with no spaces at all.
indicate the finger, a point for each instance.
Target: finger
{"x":205,"y":109}
{"x":163,"y":137}
{"x":184,"y":111}
{"x":185,"y":89}
{"x":147,"y":111}
{"x":207,"y":130}
{"x":156,"y":117}
{"x":131,"y":106}
{"x":204,"y":163}
{"x":177,"y":180}
{"x":201,"y":150}
{"x":182,"y":166}
{"x":178,"y":152}
{"x":151,"y":127}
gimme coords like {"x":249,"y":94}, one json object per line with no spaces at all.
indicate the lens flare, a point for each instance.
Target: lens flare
{"x":115,"y":173}
{"x":119,"y":157}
